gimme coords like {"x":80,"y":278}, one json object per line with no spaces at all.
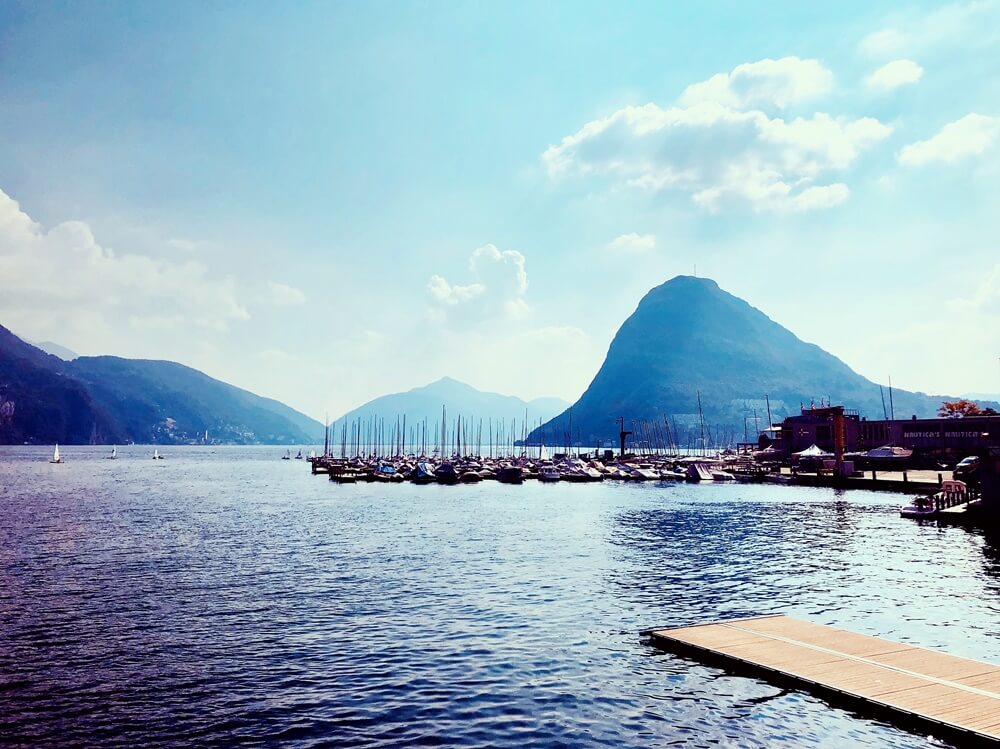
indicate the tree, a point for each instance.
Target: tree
{"x":959,"y":409}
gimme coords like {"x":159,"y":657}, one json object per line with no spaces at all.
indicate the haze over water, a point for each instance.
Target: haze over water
{"x":225,"y":596}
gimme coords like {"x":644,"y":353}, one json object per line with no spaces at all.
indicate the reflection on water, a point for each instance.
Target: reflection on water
{"x":224,"y":596}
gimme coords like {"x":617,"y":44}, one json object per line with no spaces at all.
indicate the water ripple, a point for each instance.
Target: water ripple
{"x":225,"y":598}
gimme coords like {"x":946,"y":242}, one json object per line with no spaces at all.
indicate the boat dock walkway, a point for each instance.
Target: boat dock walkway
{"x":915,"y":686}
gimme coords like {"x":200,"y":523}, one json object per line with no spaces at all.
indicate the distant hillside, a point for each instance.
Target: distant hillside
{"x":39,"y":402}
{"x":114,"y":400}
{"x":162,"y":402}
{"x":56,"y":350}
{"x":983,"y":397}
{"x":460,"y":400}
{"x":688,"y":335}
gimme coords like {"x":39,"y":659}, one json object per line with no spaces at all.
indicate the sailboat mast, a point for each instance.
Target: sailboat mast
{"x":701,"y":420}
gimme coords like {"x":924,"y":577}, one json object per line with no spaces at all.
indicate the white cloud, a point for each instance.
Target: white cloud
{"x":884,"y":43}
{"x":286,"y":296}
{"x":185,"y":245}
{"x":445,"y":293}
{"x":985,"y":299}
{"x":504,"y":269}
{"x":498,"y":286}
{"x":62,"y":284}
{"x":969,"y":136}
{"x":966,"y":27}
{"x":894,"y":74}
{"x":718,"y":154}
{"x":633,"y":243}
{"x":763,"y":83}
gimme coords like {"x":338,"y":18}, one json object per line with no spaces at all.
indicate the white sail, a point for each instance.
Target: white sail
{"x":114,"y":453}
{"x":55,"y":456}
{"x":156,"y":454}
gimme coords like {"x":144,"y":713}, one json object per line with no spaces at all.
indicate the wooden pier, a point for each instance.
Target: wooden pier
{"x":916,"y":687}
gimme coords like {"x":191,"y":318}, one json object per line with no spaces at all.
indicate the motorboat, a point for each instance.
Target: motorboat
{"x":446,"y":474}
{"x":384,"y":472}
{"x":698,"y":472}
{"x":919,"y":507}
{"x":469,"y":477}
{"x":644,"y":472}
{"x":510,"y":475}
{"x":549,"y":474}
{"x":423,"y":473}
{"x":718,"y":475}
{"x":673,"y":474}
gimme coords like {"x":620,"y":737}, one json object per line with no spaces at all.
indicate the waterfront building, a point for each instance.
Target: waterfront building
{"x":939,"y":438}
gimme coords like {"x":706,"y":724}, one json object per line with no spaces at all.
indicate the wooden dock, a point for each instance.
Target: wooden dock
{"x":914,"y":686}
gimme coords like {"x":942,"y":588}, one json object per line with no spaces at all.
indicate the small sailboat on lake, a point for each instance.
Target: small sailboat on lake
{"x":56,"y":457}
{"x":156,"y":454}
{"x":114,"y":453}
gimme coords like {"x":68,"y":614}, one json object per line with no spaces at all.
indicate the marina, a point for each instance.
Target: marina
{"x":941,"y":485}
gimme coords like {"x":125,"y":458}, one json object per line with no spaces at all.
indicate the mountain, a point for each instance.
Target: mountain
{"x":39,"y":402}
{"x":983,"y":396}
{"x":460,"y":400}
{"x":688,"y":335}
{"x":56,"y":350}
{"x":165,"y":402}
{"x":113,"y":400}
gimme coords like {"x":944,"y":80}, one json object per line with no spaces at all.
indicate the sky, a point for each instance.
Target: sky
{"x":324,"y":202}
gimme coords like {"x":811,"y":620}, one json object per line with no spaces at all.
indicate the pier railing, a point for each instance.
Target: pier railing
{"x":944,"y":500}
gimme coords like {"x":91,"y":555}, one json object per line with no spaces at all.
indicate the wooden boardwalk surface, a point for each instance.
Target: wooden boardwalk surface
{"x":919,"y":685}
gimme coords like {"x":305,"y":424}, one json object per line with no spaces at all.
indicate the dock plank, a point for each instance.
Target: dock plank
{"x":912,"y":683}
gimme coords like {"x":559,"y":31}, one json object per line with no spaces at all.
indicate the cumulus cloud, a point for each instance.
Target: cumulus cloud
{"x":499,"y":283}
{"x":286,"y":296}
{"x":894,"y":74}
{"x":719,"y":155}
{"x":969,"y":136}
{"x":447,"y":293}
{"x":633,"y":243}
{"x":763,"y":83}
{"x":51,"y":281}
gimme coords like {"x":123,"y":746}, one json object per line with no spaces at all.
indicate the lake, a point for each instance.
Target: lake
{"x":223,"y":596}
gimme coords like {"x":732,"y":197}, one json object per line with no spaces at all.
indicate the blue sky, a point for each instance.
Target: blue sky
{"x":325,"y":202}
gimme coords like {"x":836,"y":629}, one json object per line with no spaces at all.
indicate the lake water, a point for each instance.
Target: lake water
{"x":224,"y":596}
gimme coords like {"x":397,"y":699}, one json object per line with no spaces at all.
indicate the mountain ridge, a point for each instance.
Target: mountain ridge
{"x":688,"y":338}
{"x":459,"y":399}
{"x":111,"y":399}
